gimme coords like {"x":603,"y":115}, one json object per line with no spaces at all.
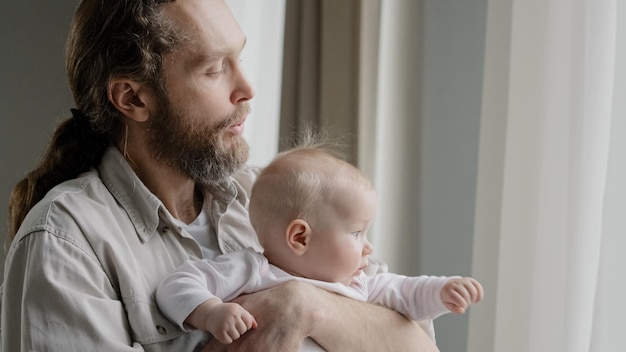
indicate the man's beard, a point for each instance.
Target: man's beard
{"x":196,"y":149}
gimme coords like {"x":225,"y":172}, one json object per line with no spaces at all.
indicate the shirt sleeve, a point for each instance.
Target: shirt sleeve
{"x":419,"y":297}
{"x":225,"y":277}
{"x":56,"y":297}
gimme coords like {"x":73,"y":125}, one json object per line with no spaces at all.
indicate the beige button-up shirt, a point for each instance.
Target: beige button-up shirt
{"x":81,"y":273}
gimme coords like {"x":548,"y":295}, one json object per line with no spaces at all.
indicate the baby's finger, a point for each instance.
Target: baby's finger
{"x":457,"y":298}
{"x":476,"y":291}
{"x":461,"y":289}
{"x":224,"y":337}
{"x":241,"y":327}
{"x":454,"y":308}
{"x":235,"y":331}
{"x":249,"y":320}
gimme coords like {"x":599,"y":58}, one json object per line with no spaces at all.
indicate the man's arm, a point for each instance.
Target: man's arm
{"x":57,"y":298}
{"x":349,"y":325}
{"x":293,"y":311}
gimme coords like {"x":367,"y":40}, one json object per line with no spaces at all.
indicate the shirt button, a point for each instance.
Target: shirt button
{"x":161,"y":329}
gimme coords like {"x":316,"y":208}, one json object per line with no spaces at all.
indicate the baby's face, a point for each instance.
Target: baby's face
{"x":339,"y":239}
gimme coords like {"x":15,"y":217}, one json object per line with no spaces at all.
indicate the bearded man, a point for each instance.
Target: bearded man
{"x":149,"y":172}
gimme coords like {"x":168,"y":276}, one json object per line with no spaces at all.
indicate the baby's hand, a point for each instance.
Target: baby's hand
{"x":228,"y":321}
{"x":458,"y":293}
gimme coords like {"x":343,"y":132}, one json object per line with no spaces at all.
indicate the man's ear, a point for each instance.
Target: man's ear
{"x":131,"y":98}
{"x":298,"y":236}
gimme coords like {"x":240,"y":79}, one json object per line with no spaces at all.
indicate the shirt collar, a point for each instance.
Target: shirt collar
{"x":141,"y":205}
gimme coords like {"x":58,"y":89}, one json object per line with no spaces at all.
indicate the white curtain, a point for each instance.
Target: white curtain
{"x":546,"y":221}
{"x":389,"y":117}
{"x":262,"y":23}
{"x":550,"y":187}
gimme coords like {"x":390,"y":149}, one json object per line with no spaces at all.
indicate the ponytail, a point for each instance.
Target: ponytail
{"x":74,"y":148}
{"x":114,"y":38}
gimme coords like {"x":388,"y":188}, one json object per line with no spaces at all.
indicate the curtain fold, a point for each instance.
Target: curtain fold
{"x":395,"y":146}
{"x":320,"y":74}
{"x":352,"y":69}
{"x":558,"y":113}
{"x":548,"y":220}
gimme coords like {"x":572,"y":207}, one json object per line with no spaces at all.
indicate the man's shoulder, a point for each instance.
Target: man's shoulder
{"x":247,"y":175}
{"x":67,"y":204}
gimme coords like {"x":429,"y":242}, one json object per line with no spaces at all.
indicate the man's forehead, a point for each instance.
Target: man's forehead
{"x":207,"y":21}
{"x":195,"y":12}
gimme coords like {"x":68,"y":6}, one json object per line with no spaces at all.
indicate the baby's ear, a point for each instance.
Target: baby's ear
{"x":298,"y":236}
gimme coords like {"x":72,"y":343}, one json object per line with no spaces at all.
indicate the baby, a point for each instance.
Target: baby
{"x":311,"y":212}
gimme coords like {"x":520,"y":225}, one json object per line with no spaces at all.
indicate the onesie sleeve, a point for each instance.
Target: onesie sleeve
{"x":194,"y":282}
{"x":418,"y":298}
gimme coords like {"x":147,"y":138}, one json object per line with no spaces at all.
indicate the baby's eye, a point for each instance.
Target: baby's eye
{"x":356,"y":234}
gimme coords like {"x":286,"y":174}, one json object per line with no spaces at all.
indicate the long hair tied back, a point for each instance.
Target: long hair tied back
{"x":107,"y":39}
{"x":73,"y":149}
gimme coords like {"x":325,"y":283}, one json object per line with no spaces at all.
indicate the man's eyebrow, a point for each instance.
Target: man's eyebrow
{"x":200,"y":58}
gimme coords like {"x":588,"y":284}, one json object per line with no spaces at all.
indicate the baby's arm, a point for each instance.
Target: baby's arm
{"x":192,"y":295}
{"x":460,"y":292}
{"x":423,"y":297}
{"x":225,"y":321}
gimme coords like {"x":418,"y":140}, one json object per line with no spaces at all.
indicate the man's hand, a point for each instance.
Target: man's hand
{"x":291,"y":312}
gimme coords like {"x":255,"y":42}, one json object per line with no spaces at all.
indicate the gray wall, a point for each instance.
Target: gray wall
{"x":453,"y":53}
{"x":33,"y":92}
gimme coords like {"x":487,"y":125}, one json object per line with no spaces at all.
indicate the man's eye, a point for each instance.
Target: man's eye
{"x":218,"y":71}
